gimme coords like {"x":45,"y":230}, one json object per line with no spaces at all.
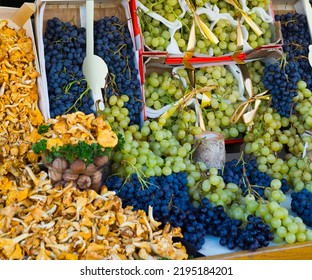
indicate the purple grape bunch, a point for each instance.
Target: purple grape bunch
{"x":296,"y":43}
{"x":64,"y":48}
{"x":168,"y":195}
{"x":301,"y":204}
{"x":233,"y":173}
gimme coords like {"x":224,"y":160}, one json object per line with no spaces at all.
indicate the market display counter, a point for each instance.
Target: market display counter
{"x":172,"y":174}
{"x":298,"y":251}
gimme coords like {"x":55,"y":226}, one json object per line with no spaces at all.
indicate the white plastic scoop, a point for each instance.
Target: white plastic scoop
{"x":94,"y":67}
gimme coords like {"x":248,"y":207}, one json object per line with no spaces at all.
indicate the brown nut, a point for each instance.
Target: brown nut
{"x":96,"y":177}
{"x":55,"y":175}
{"x":78,"y":166}
{"x":90,"y":170}
{"x":100,"y":161}
{"x":69,"y":176}
{"x":83,"y":182}
{"x":59,"y":164}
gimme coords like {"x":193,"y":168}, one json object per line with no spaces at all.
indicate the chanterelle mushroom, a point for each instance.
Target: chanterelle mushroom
{"x":66,"y":223}
{"x":19,"y":110}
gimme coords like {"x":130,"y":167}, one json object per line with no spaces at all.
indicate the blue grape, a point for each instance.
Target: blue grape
{"x":296,"y":43}
{"x":61,"y":41}
{"x":233,"y":173}
{"x":282,"y":84}
{"x":64,"y":46}
{"x":301,"y":204}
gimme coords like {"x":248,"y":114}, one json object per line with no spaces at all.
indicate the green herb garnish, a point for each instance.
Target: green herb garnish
{"x":83,"y":151}
{"x":40,"y":146}
{"x":121,"y":142}
{"x":43,"y":128}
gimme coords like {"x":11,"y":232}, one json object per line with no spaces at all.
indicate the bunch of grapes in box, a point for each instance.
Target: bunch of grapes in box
{"x":65,"y":50}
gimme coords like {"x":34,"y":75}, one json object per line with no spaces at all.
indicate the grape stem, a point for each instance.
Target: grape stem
{"x":67,"y":88}
{"x":283,"y":61}
{"x":286,"y":22}
{"x":247,"y":184}
{"x":196,"y":145}
{"x":298,"y":46}
{"x":245,"y":179}
{"x":178,"y":18}
{"x":141,"y":176}
{"x":119,"y":28}
{"x":120,"y":47}
{"x":111,"y":81}
{"x":154,"y":4}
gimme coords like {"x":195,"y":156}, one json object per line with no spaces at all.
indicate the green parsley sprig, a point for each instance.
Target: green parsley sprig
{"x":121,"y":142}
{"x":43,"y":128}
{"x":39,"y":147}
{"x":83,"y":151}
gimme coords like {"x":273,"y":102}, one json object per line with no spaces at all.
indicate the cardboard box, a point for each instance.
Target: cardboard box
{"x":299,"y":6}
{"x":20,"y":18}
{"x":156,"y":64}
{"x":74,"y":11}
{"x":177,"y":58}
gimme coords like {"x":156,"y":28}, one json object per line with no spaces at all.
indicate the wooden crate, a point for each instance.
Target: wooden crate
{"x":292,"y":6}
{"x":297,"y":251}
{"x":73,"y":11}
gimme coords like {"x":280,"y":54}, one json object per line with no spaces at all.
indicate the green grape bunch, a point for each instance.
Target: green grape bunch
{"x":162,"y":89}
{"x":169,"y":9}
{"x":182,"y":35}
{"x":152,"y":149}
{"x":210,"y":185}
{"x":155,"y":34}
{"x":155,"y":31}
{"x":225,"y":98}
{"x":256,"y":41}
